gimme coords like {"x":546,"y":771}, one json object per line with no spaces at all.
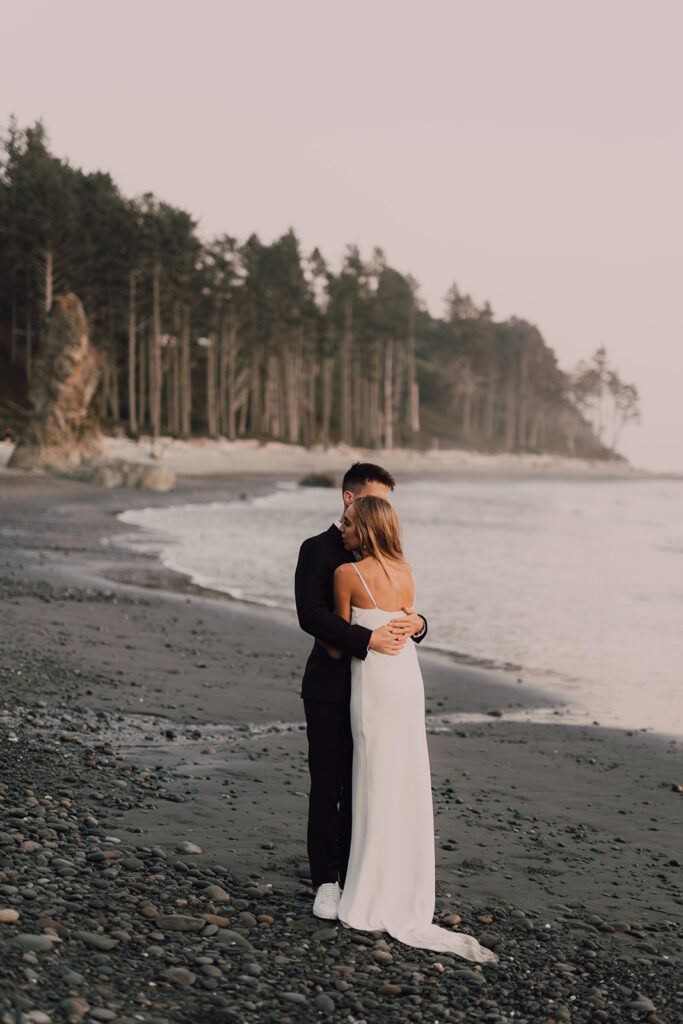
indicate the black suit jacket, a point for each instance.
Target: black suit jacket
{"x":326,"y":678}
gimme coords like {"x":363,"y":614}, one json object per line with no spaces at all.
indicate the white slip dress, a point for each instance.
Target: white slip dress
{"x":390,"y":881}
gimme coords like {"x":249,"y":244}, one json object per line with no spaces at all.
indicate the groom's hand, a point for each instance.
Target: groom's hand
{"x":408,"y":626}
{"x":385,"y":641}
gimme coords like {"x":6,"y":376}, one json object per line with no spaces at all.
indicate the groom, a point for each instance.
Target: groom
{"x":326,"y":688}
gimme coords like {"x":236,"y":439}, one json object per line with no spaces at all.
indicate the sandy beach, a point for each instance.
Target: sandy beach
{"x":171,"y":716}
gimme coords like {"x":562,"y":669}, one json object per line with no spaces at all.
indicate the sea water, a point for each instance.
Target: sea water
{"x":576,"y":583}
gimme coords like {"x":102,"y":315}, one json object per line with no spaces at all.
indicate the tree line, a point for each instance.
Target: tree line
{"x":248,"y":339}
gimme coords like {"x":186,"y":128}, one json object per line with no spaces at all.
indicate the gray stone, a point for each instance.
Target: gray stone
{"x":179,"y":976}
{"x":34,"y":943}
{"x":187,"y":847}
{"x":211,"y":971}
{"x":472,"y":977}
{"x":73,"y":978}
{"x":324,"y":1003}
{"x":232,"y":938}
{"x":217,"y":893}
{"x":95,"y":940}
{"x":75,"y":1008}
{"x":642,"y":1004}
{"x":179,"y":923}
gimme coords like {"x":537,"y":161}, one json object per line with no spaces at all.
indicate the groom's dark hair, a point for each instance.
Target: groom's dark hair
{"x":362,"y":473}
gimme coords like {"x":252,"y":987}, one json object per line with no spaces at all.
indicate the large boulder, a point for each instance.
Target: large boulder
{"x":63,"y":428}
{"x":112,"y":473}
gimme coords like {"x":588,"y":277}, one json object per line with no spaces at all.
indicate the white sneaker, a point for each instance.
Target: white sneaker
{"x":327,"y":901}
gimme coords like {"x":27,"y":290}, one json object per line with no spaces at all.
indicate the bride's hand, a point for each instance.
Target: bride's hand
{"x":384,"y":641}
{"x":408,"y":626}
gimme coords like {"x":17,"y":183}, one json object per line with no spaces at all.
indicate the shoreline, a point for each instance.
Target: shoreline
{"x":171,"y":716}
{"x":143,"y":569}
{"x":130,"y":569}
{"x":219,"y":457}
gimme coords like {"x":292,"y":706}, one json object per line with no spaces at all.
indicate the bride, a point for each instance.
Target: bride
{"x":391,"y":873}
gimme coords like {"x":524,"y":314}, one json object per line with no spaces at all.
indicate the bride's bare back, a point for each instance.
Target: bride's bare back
{"x":391,"y":593}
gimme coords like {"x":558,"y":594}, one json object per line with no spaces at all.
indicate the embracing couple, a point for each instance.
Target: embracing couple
{"x":370,"y":824}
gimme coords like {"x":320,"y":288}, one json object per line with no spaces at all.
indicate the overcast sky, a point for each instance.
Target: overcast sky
{"x":531,"y":150}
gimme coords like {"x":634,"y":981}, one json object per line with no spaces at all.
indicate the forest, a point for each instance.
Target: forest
{"x":248,"y":339}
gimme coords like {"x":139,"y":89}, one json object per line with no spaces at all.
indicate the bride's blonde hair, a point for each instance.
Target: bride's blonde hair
{"x":379,"y":530}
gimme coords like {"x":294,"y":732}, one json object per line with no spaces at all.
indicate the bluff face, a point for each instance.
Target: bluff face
{"x":63,"y":429}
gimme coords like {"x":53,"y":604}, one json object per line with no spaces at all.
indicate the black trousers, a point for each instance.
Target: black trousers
{"x":330,"y":757}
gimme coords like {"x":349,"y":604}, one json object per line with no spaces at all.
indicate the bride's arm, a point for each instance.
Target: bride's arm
{"x":342,"y":602}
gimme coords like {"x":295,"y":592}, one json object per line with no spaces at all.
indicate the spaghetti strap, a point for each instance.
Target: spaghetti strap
{"x":369,"y":592}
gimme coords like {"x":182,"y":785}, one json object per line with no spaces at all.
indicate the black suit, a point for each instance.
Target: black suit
{"x":325,"y":678}
{"x":326,"y":690}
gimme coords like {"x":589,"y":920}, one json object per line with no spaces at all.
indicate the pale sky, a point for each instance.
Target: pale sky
{"x":531,"y":150}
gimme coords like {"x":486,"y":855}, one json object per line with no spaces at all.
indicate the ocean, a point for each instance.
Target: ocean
{"x":577,"y":584}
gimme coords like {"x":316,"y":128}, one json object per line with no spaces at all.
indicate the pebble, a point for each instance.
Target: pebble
{"x":210,"y":971}
{"x":642,"y":1004}
{"x":132,"y":918}
{"x":216,"y":893}
{"x":471,"y":977}
{"x":96,"y":941}
{"x":388,"y":989}
{"x":217,"y":919}
{"x":179,"y":976}
{"x":255,"y":892}
{"x":324,"y":1003}
{"x":383,"y":956}
{"x":75,"y":1007}
{"x":73,"y":978}
{"x":190,"y":848}
{"x":451,"y":919}
{"x":179,"y":923}
{"x":292,"y":997}
{"x":35,"y":943}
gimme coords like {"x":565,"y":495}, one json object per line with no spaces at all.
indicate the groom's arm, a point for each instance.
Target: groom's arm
{"x":412,"y":625}
{"x":419,"y":635}
{"x":311,"y":591}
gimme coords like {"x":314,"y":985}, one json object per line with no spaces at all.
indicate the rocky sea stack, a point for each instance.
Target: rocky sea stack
{"x":63,"y":429}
